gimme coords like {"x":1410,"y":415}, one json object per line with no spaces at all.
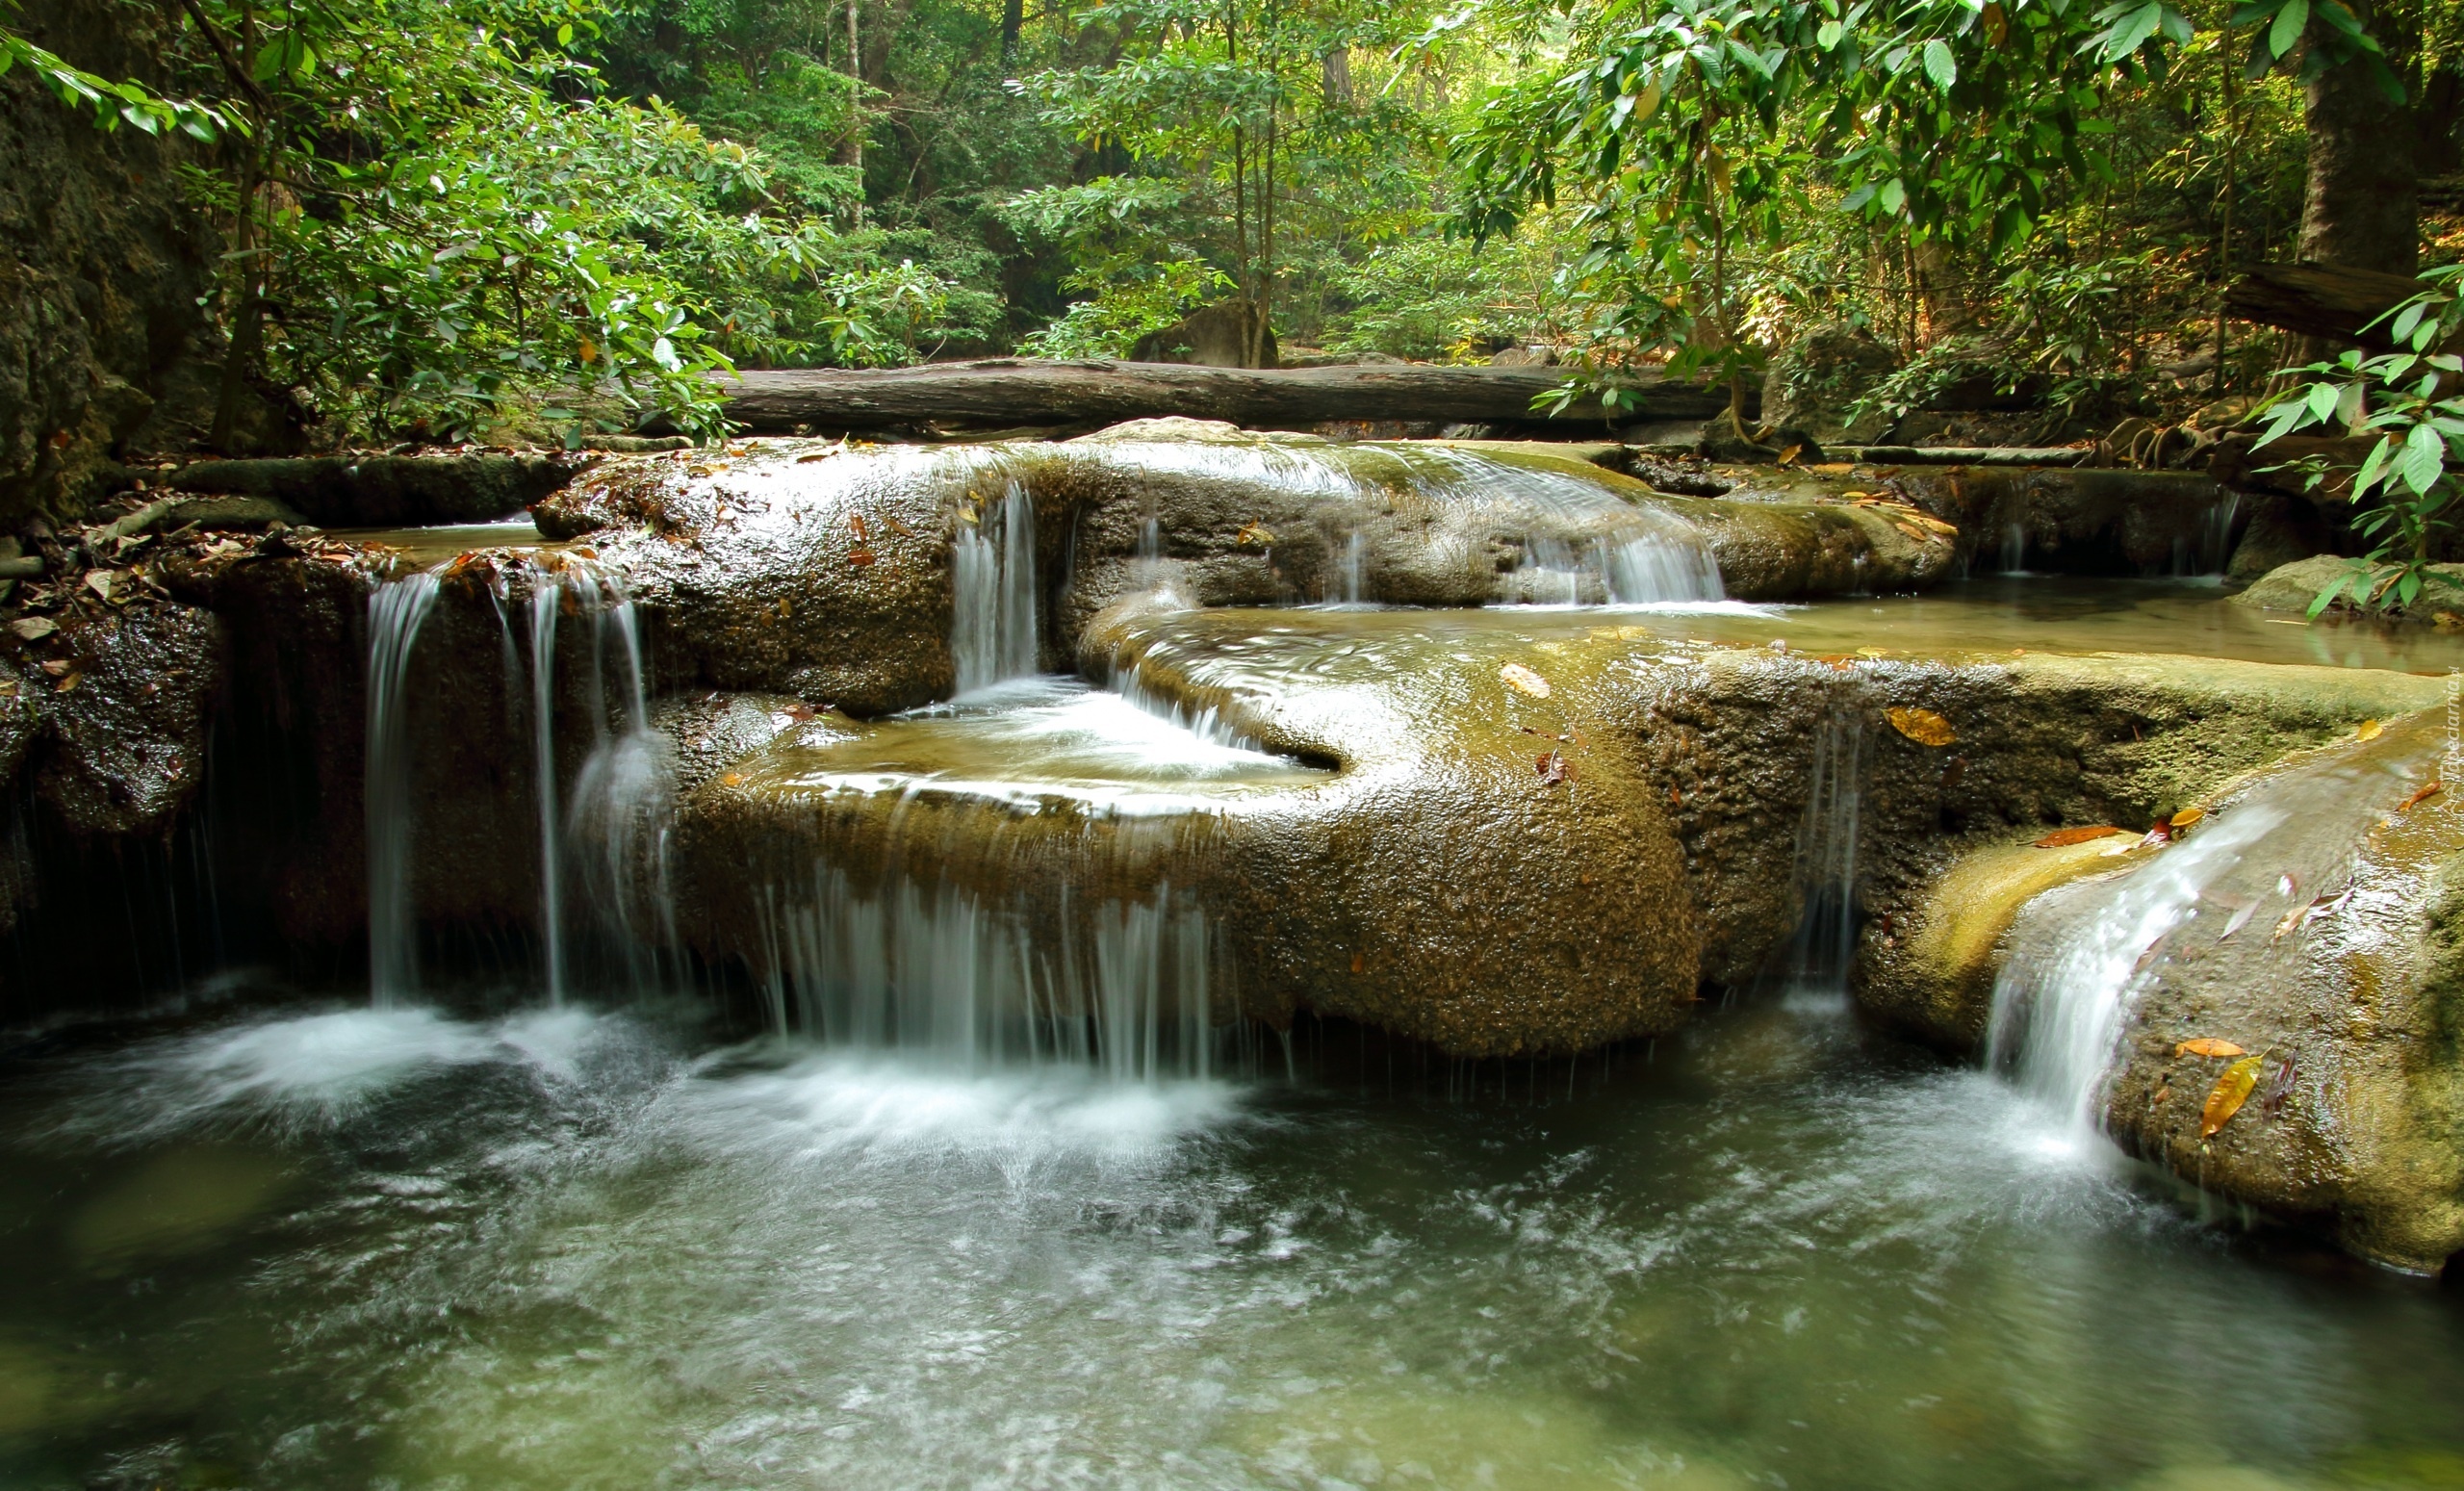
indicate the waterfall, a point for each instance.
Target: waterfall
{"x":395,"y":612}
{"x":2061,"y":999}
{"x":622,"y":795}
{"x":994,"y":625}
{"x":2014,"y":548}
{"x":1648,"y":565}
{"x":1824,"y":944}
{"x":1352,"y":570}
{"x":2215,"y":532}
{"x":937,"y":973}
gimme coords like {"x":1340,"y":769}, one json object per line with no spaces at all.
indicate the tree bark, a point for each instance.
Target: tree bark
{"x":2327,"y":303}
{"x":2359,"y":205}
{"x":1016,"y":392}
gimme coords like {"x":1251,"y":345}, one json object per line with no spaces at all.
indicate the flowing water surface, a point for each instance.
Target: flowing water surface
{"x":404,"y":1248}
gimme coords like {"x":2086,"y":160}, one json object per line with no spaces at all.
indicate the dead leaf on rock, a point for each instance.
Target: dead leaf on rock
{"x":2367,"y":730}
{"x":2279,"y":1087}
{"x":1922,"y":726}
{"x":860,"y":557}
{"x":1523,"y":681}
{"x":2225,"y":1100}
{"x":732,"y":778}
{"x":67,"y":684}
{"x":2209,"y":1046}
{"x":856,"y":521}
{"x":2420,"y":794}
{"x":33,"y":629}
{"x":2184,"y":818}
{"x":1554,"y":769}
{"x":1257,"y":533}
{"x":2064,"y":838}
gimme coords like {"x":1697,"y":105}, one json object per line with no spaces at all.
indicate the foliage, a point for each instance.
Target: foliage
{"x":2405,"y":488}
{"x":114,"y":103}
{"x":1123,"y":309}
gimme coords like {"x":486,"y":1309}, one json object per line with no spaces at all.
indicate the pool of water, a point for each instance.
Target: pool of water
{"x":323,"y":1248}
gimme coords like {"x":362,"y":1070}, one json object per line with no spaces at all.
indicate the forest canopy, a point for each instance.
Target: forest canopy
{"x":448,"y":218}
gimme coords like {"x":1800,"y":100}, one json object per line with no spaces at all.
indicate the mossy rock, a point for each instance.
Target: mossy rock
{"x":2294,"y":587}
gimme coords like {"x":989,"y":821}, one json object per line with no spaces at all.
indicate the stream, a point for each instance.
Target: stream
{"x":490,"y":1233}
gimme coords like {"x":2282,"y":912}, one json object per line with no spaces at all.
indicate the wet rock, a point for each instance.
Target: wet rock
{"x":1814,"y":381}
{"x":1430,"y":878}
{"x":1728,"y":737}
{"x":386,"y":491}
{"x":2345,"y":979}
{"x":808,"y":568}
{"x":2278,"y":532}
{"x":2291,"y":588}
{"x":2083,"y":520}
{"x":124,"y":709}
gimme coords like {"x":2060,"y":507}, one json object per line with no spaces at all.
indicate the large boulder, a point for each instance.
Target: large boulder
{"x":1438,"y":855}
{"x":2292,"y":588}
{"x":1814,"y":382}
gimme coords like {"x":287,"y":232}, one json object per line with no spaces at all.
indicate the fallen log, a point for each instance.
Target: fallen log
{"x":2316,"y":299}
{"x":1964,"y":456}
{"x":1015,"y":393}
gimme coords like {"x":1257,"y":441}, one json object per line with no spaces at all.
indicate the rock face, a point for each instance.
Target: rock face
{"x":1813,"y":382}
{"x":2342,"y":978}
{"x":1421,"y":879}
{"x":2292,"y":587}
{"x":103,"y":346}
{"x":2085,"y":521}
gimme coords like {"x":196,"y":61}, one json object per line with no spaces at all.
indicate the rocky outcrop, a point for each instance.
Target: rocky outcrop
{"x":2083,"y":521}
{"x":2290,"y":589}
{"x":104,"y":346}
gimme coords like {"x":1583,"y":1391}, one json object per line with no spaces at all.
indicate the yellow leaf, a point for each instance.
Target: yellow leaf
{"x":2185,"y":817}
{"x":732,"y":778}
{"x":1257,"y":533}
{"x":1923,"y":726}
{"x":2064,"y":838}
{"x":2367,"y":730}
{"x":2208,"y":1045}
{"x":2225,"y":1098}
{"x":1523,"y":681}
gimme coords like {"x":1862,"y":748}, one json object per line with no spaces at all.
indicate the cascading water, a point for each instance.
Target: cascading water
{"x":2014,"y":548}
{"x":2061,"y":999}
{"x":622,"y":795}
{"x":395,"y":612}
{"x":937,"y":974}
{"x":1821,"y":954}
{"x":993,"y":632}
{"x":1352,"y":577}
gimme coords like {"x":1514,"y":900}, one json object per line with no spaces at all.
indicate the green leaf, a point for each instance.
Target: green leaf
{"x":2425,"y":457}
{"x":1825,"y":36}
{"x":2286,"y":32}
{"x":1941,"y":65}
{"x":2134,"y":30}
{"x":1893,"y":195}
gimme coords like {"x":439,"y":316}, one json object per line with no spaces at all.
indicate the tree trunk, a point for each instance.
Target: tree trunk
{"x":1014,"y":19}
{"x":2327,"y":302}
{"x":1015,"y":393}
{"x":2359,"y":207}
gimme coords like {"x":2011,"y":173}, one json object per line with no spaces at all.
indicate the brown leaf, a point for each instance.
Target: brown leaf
{"x":1552,"y":769}
{"x":1922,"y":726}
{"x":33,"y":629}
{"x":860,"y":557}
{"x":2208,"y":1045}
{"x":732,"y":778}
{"x":2225,"y":1098}
{"x":856,"y":521}
{"x":898,"y":527}
{"x":2279,"y":1087}
{"x":1523,"y":681}
{"x":2064,"y":838}
{"x":2420,"y":794}
{"x":1257,"y":533}
{"x":67,"y":684}
{"x":1359,"y":962}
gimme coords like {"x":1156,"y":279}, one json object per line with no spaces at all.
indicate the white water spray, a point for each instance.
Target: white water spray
{"x":993,"y":632}
{"x":395,"y":612}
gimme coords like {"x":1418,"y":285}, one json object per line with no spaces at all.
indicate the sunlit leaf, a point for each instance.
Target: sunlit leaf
{"x":2209,"y":1046}
{"x":1523,"y":681}
{"x":2064,"y":838}
{"x":1922,"y":726}
{"x":2225,"y":1098}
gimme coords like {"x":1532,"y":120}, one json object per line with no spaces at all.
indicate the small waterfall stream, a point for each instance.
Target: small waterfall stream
{"x":622,"y":795}
{"x":2061,"y":1001}
{"x":993,"y":632}
{"x":937,"y":974}
{"x":395,"y":612}
{"x":1821,"y":954}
